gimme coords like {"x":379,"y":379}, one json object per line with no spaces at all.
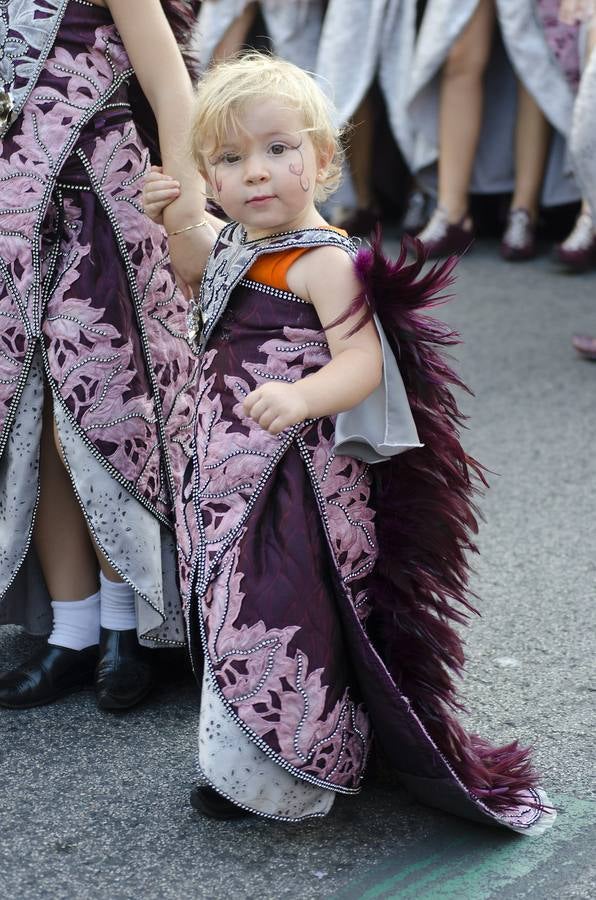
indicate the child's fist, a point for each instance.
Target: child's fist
{"x":159,"y":191}
{"x":276,"y":406}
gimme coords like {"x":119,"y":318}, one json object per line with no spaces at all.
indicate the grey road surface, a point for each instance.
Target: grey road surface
{"x":95,"y":806}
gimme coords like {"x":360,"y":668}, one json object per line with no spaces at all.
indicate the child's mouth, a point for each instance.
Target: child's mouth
{"x":257,"y":201}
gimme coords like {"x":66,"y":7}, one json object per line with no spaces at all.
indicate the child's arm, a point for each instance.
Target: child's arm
{"x":325,"y":277}
{"x":159,"y":191}
{"x":159,"y":66}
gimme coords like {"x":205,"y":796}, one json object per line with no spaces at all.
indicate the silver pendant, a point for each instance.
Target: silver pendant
{"x":6,"y":108}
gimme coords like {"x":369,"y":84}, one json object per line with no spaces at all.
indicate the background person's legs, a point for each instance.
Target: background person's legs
{"x":461,"y":106}
{"x":532,"y":143}
{"x":461,"y":109}
{"x":236,"y":35}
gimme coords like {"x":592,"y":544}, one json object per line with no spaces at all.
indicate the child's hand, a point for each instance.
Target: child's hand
{"x":159,"y":191}
{"x":276,"y":406}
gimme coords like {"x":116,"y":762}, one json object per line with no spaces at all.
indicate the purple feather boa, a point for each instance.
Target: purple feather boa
{"x":426,"y":522}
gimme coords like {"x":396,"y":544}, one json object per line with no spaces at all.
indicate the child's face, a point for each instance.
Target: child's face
{"x":265,"y":174}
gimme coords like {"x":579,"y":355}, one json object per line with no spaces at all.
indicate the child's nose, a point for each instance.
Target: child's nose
{"x":255,"y":171}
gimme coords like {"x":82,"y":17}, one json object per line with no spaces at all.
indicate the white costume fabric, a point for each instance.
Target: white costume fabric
{"x":360,"y":41}
{"x":582,"y":143}
{"x":225,"y":756}
{"x":293,"y":26}
{"x":524,"y":51}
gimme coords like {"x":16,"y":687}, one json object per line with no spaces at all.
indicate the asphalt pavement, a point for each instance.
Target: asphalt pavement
{"x":95,"y":806}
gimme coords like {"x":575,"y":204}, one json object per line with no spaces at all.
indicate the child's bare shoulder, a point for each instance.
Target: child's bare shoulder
{"x":322,"y":269}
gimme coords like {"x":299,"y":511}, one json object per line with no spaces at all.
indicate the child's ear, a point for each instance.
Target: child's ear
{"x":325,"y":158}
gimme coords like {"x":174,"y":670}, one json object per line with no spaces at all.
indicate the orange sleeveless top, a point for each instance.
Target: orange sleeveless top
{"x":272,"y":268}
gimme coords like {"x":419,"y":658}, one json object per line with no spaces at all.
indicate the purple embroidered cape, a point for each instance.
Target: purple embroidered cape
{"x":320,"y":590}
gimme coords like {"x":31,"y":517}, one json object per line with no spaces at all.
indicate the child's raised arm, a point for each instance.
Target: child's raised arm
{"x":326,"y":277}
{"x":159,"y":66}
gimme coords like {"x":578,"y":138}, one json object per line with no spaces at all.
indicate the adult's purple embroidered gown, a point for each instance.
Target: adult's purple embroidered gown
{"x":89,"y":310}
{"x":284,"y":559}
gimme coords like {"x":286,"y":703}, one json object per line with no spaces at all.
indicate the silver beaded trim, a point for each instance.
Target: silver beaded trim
{"x":204,"y":780}
{"x":294,"y":348}
{"x":76,"y":72}
{"x":272,"y":291}
{"x":274,"y":643}
{"x":350,"y":487}
{"x":270,"y":376}
{"x":235,"y":453}
{"x":353,"y":522}
{"x":16,"y":298}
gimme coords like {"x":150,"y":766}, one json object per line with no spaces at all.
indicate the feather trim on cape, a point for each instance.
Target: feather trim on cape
{"x":426,"y":522}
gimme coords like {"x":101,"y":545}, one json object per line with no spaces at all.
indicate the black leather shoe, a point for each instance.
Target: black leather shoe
{"x":207,"y":801}
{"x":52,"y":673}
{"x":123,"y":675}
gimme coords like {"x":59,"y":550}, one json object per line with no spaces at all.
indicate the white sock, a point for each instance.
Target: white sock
{"x":76,"y":623}
{"x":118,"y":607}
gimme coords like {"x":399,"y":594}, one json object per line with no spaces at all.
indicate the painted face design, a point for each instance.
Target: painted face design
{"x":265,"y":174}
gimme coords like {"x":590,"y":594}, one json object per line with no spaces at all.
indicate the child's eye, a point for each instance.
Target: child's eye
{"x":229,"y":158}
{"x":277,"y":149}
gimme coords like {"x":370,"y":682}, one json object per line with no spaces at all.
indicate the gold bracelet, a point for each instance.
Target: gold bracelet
{"x":188,"y":228}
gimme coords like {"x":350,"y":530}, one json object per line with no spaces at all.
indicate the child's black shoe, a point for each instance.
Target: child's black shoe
{"x":207,"y":801}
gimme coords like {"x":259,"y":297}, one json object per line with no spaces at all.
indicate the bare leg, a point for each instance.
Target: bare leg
{"x":97,"y":556}
{"x":532,"y":141}
{"x":235,"y":36}
{"x":61,"y":538}
{"x":461,"y":107}
{"x":104,"y":565}
{"x":360,"y":152}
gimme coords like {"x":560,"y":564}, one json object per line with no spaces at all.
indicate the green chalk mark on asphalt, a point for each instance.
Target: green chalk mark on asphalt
{"x":475,"y":863}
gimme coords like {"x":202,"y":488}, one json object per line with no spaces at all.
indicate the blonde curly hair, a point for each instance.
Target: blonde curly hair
{"x":229,"y":87}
